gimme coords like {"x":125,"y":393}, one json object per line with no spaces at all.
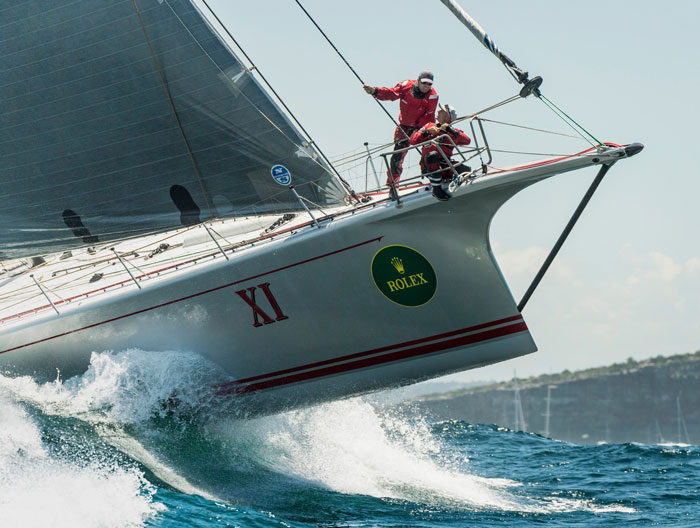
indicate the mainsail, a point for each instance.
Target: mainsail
{"x":132,"y":116}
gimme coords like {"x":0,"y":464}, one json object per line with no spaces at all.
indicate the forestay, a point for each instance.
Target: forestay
{"x":126,"y":117}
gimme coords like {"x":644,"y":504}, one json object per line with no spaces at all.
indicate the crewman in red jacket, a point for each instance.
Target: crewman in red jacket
{"x":418,"y":101}
{"x":431,"y":158}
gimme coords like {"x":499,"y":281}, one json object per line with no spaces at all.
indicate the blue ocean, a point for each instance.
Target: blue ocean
{"x":133,"y":442}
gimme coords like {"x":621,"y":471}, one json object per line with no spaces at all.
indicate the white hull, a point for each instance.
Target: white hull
{"x":323,"y":329}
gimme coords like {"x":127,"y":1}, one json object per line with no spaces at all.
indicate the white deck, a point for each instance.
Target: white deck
{"x":66,"y":280}
{"x":82,"y":275}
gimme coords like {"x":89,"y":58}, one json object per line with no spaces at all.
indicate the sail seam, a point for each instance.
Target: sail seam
{"x":175,"y":114}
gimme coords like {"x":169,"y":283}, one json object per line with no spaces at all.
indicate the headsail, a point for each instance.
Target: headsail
{"x":132,"y":116}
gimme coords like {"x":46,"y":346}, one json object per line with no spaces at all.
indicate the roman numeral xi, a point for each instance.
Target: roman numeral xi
{"x":248,"y":295}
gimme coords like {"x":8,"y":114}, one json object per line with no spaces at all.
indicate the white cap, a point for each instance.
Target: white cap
{"x":450,"y":111}
{"x":426,"y":76}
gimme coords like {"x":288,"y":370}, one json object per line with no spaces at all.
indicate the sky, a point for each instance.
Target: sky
{"x":627,"y":282}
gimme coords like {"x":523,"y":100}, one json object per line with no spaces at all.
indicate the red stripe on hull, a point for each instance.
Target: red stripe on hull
{"x":378,"y":360}
{"x":373,"y":351}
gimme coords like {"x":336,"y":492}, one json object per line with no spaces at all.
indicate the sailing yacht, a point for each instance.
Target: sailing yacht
{"x":158,"y":197}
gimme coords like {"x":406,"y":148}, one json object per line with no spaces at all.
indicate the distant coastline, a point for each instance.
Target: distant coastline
{"x":651,"y":401}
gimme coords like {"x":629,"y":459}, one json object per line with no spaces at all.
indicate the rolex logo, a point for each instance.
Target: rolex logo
{"x":398,"y":264}
{"x":404,"y":276}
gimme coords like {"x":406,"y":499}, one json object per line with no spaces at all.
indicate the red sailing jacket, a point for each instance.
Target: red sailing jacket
{"x":459,"y":138}
{"x":413,"y":112}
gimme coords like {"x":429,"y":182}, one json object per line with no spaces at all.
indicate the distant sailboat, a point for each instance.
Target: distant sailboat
{"x":681,"y":421}
{"x":659,"y":435}
{"x":681,"y":429}
{"x":548,"y":413}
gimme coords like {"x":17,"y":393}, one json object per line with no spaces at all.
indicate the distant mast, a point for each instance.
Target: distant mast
{"x":547,"y":412}
{"x":516,"y":407}
{"x":519,"y":417}
{"x":678,"y":415}
{"x":681,"y":421}
{"x":529,"y":85}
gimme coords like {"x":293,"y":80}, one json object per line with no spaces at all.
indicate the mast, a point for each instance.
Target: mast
{"x":515,"y":403}
{"x":680,"y":420}
{"x":519,"y":417}
{"x":547,"y":413}
{"x":530,"y":86}
{"x":678,"y":415}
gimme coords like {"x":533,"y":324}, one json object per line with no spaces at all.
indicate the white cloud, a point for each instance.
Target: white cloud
{"x":693,"y":264}
{"x":527,"y":261}
{"x":636,"y":304}
{"x":663,"y":267}
{"x":653,"y":266}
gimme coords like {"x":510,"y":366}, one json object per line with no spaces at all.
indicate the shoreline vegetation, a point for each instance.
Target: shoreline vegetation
{"x":652,"y":401}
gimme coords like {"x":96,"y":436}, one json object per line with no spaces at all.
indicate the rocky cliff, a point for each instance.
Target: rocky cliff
{"x":651,"y":401}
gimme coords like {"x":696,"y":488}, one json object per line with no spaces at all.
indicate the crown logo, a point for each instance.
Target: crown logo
{"x":398,"y":264}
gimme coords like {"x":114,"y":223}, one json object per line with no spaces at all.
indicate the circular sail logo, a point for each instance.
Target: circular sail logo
{"x":404,"y":276}
{"x":281,"y":174}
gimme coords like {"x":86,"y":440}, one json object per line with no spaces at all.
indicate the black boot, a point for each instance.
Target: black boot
{"x":440,"y":194}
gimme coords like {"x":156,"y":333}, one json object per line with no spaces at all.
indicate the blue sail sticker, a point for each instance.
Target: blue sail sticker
{"x":281,"y":174}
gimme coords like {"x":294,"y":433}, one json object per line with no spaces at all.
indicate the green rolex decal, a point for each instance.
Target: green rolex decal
{"x":404,"y":276}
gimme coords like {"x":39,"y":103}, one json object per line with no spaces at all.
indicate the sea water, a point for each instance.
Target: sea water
{"x":111,"y":448}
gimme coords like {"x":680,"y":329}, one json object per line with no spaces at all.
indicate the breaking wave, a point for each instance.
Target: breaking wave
{"x":103,"y":443}
{"x":42,"y":483}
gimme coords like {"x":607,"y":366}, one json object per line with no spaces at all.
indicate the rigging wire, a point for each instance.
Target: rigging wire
{"x":530,"y":86}
{"x":529,"y":128}
{"x":360,"y":155}
{"x":312,"y":142}
{"x":567,"y":119}
{"x":330,"y":42}
{"x":349,"y":66}
{"x":525,"y":153}
{"x":570,"y":122}
{"x":488,"y":108}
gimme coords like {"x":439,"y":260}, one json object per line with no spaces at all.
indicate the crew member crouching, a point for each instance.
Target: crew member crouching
{"x":431,"y":158}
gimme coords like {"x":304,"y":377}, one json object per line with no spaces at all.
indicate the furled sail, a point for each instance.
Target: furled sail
{"x":531,"y":86}
{"x":132,"y":116}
